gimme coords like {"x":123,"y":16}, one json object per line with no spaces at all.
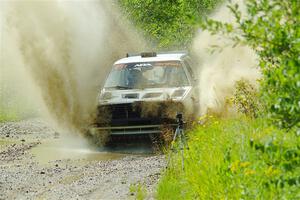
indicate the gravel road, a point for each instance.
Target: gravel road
{"x":33,"y":166}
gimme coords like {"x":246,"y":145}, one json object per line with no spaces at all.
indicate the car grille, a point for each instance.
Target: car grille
{"x":124,"y":111}
{"x":127,"y":115}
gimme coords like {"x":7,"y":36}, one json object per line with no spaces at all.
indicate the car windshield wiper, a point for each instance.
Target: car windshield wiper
{"x":120,"y":87}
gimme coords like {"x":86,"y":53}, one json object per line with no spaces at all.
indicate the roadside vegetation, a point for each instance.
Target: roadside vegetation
{"x":168,"y":24}
{"x":257,"y":155}
{"x":138,"y":190}
{"x":7,"y":114}
{"x":4,"y":116}
{"x":14,"y":110}
{"x":14,"y":114}
{"x":237,"y":158}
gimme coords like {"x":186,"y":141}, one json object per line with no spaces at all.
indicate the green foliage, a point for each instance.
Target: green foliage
{"x":235,"y":159}
{"x":139,"y":190}
{"x":169,"y":23}
{"x":13,"y":110}
{"x":246,"y":99}
{"x":4,"y":116}
{"x":246,"y":158}
{"x":272,"y":29}
{"x":8,"y":114}
{"x":13,"y":105}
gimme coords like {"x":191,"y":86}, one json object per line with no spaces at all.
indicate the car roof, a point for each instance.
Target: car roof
{"x":159,"y":57}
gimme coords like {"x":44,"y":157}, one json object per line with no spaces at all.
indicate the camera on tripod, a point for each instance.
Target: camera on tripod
{"x":179,"y":132}
{"x":179,"y":120}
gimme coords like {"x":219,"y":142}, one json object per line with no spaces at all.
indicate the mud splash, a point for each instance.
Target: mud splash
{"x":65,"y":48}
{"x":219,"y":70}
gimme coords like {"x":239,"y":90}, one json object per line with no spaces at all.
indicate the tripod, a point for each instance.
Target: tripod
{"x":182,"y":141}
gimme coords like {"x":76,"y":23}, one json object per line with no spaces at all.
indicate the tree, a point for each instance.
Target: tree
{"x":271,"y":27}
{"x":168,"y":23}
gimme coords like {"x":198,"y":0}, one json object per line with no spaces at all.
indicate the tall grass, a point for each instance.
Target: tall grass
{"x":235,"y":159}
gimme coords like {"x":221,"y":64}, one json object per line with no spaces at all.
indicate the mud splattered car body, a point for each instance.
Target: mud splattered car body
{"x":145,"y":91}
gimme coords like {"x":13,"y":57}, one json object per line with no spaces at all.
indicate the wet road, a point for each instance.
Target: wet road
{"x":38,"y":163}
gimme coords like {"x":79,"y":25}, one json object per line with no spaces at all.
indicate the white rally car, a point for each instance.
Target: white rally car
{"x":144,"y":91}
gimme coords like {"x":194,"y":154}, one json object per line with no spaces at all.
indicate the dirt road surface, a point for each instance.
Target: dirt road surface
{"x":34,"y":164}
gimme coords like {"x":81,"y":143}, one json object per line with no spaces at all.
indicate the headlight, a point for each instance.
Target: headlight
{"x":106,"y":96}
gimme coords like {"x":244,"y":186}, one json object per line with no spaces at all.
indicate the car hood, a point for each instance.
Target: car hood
{"x":117,"y":96}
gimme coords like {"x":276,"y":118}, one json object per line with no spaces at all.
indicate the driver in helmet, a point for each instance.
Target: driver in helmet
{"x":135,"y":78}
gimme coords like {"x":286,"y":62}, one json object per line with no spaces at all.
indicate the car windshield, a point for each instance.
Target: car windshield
{"x":147,"y":75}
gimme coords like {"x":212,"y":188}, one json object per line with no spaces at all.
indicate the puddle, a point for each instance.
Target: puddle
{"x":56,"y":150}
{"x":53,"y":150}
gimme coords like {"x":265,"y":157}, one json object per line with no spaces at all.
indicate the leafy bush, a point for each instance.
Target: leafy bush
{"x":246,"y":158}
{"x":246,"y":99}
{"x":235,"y":159}
{"x":272,"y":29}
{"x":169,"y":23}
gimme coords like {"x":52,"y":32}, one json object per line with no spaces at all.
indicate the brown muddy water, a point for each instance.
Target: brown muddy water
{"x":52,"y":150}
{"x":36,"y":162}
